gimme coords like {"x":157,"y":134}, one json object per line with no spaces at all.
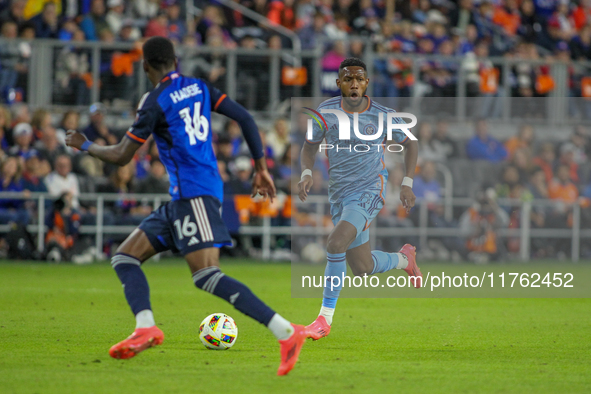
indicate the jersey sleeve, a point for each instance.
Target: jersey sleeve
{"x":216,"y":97}
{"x":318,"y":128}
{"x":398,"y":136}
{"x":146,"y":120}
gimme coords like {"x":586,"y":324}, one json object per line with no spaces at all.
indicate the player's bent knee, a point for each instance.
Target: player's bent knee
{"x":137,"y":245}
{"x":361,"y":271}
{"x":336,"y":244}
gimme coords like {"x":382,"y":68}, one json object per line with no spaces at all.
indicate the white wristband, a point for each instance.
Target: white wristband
{"x":306,"y":172}
{"x":406,"y":181}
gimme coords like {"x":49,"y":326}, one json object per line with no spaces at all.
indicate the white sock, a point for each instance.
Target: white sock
{"x":328,"y":313}
{"x":402,"y":261}
{"x":281,"y":328}
{"x":144,"y":319}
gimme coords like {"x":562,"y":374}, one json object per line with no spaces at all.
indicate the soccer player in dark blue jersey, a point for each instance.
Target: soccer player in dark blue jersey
{"x":177,"y":114}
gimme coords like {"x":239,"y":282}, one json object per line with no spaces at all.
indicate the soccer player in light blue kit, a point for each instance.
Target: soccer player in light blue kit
{"x":356,"y":188}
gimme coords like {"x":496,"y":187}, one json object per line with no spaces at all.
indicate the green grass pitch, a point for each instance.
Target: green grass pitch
{"x":57,"y":323}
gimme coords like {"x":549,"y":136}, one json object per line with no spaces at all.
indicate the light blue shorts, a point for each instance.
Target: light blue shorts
{"x":359,"y":209}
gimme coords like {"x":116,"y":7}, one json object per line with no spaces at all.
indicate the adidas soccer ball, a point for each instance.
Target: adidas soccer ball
{"x":218,"y":331}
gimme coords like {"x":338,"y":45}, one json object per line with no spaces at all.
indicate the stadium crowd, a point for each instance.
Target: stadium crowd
{"x":470,"y":30}
{"x":35,"y":159}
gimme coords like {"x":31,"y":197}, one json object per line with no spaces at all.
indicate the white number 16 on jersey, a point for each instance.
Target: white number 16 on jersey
{"x":194,"y":124}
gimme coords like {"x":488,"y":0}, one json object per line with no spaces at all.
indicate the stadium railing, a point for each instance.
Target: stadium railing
{"x":316,"y":206}
{"x":124,"y":80}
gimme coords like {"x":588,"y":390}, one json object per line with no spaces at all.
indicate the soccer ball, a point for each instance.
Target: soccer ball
{"x":218,"y":331}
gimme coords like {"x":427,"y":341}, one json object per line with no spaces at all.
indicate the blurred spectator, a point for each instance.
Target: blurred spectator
{"x":49,"y":145}
{"x":22,"y":134}
{"x":12,"y":59}
{"x":392,"y":214}
{"x":580,"y":45}
{"x":484,"y":147}
{"x":507,"y":16}
{"x":5,"y":121}
{"x":34,"y":174}
{"x":94,"y":22}
{"x":12,"y":210}
{"x":313,"y":35}
{"x":232,"y":130}
{"x":278,"y":138}
{"x":284,"y":167}
{"x":479,"y":225}
{"x":241,"y":169}
{"x":63,"y":223}
{"x":545,"y":160}
{"x":224,"y":149}
{"x":158,"y":26}
{"x":567,"y":158}
{"x":509,"y":182}
{"x":523,"y":139}
{"x":330,"y":69}
{"x":97,"y":127}
{"x":562,"y":187}
{"x":177,"y":28}
{"x":282,"y":13}
{"x":40,"y":121}
{"x":15,"y":13}
{"x":46,"y":23}
{"x":426,"y":186}
{"x":461,"y":16}
{"x":531,"y":23}
{"x":146,"y":9}
{"x":62,"y":180}
{"x":127,"y":211}
{"x":442,"y":142}
{"x":115,"y":16}
{"x":578,"y":145}
{"x":522,"y":160}
{"x":157,"y":180}
{"x":428,"y":150}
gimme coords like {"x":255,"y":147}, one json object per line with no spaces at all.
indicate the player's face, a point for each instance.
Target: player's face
{"x":353,"y":84}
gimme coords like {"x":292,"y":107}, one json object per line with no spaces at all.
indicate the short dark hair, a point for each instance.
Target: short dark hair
{"x":352,"y":62}
{"x":159,"y":52}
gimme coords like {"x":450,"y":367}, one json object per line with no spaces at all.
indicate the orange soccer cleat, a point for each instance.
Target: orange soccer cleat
{"x":140,"y":340}
{"x":412,"y":269}
{"x":290,"y":349}
{"x":318,"y":329}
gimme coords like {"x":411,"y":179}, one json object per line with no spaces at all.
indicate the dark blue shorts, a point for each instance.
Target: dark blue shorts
{"x":187,"y":225}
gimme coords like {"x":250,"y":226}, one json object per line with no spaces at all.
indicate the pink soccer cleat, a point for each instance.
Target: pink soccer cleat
{"x":140,"y":340}
{"x":412,"y":269}
{"x":318,"y":329}
{"x":290,"y":349}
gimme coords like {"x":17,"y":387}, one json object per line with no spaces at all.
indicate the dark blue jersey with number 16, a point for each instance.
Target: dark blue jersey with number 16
{"x":178,"y":114}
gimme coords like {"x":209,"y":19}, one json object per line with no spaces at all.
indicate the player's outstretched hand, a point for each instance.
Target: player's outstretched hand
{"x":75,"y":139}
{"x":304,"y":187}
{"x":407,"y":197}
{"x":262,"y":183}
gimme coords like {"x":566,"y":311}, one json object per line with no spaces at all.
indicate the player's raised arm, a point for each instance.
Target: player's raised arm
{"x":307,"y":158}
{"x":119,"y":154}
{"x":262,"y":183}
{"x":411,"y":153}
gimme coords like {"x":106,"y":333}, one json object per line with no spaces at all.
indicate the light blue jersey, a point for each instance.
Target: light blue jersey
{"x":356,"y":166}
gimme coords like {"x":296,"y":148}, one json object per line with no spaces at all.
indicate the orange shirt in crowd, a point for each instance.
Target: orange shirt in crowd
{"x":508,"y":21}
{"x":513,"y":144}
{"x":565,"y":192}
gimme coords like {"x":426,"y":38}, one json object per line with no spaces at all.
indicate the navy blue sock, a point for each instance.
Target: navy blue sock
{"x":212,"y":280}
{"x":135,"y":284}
